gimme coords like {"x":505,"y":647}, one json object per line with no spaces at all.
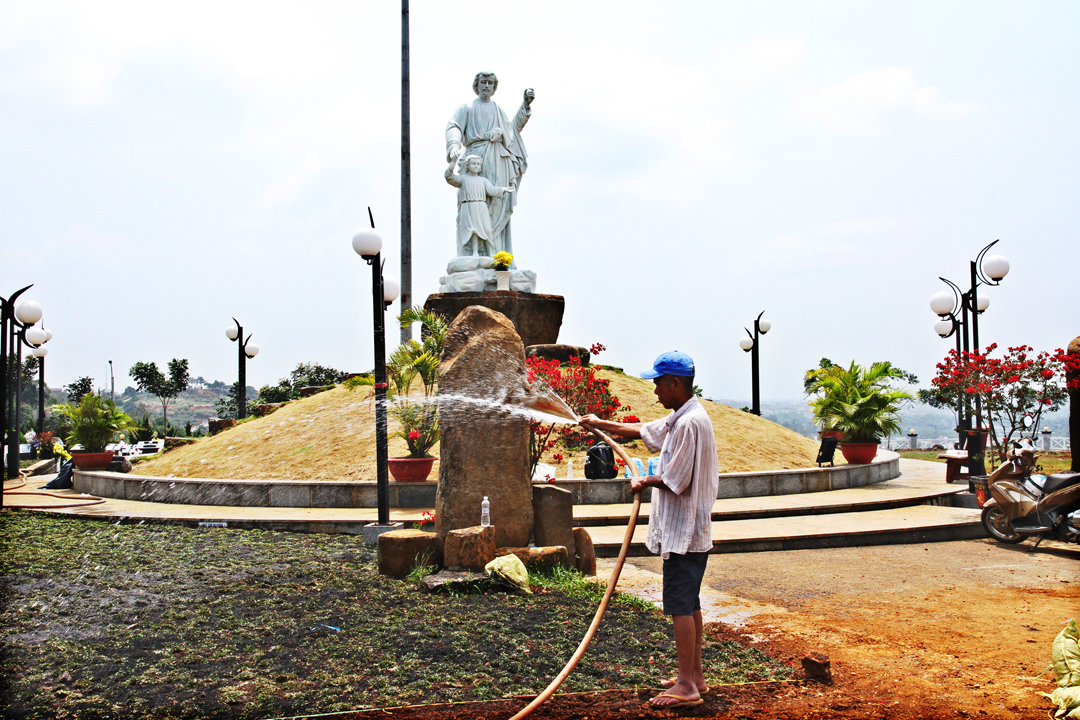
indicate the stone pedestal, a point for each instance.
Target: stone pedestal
{"x":536,"y":318}
{"x":477,"y":274}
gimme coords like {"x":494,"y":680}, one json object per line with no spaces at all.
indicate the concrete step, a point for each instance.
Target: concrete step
{"x":918,"y":506}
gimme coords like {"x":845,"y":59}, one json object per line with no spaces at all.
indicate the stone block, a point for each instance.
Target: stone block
{"x":816,"y":481}
{"x":400,"y":550}
{"x":548,"y":557}
{"x":553,"y":517}
{"x":542,"y":557}
{"x":218,"y":424}
{"x":817,"y":668}
{"x":469,"y":548}
{"x":585,"y":556}
{"x":463,"y":264}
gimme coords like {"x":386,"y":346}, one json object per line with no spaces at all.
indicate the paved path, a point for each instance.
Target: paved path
{"x":891,"y":512}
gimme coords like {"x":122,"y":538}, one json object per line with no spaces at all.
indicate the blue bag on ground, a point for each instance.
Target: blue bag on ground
{"x":62,"y":481}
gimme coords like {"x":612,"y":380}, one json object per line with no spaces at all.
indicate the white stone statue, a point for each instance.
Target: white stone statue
{"x":481,"y":128}
{"x":474,"y":235}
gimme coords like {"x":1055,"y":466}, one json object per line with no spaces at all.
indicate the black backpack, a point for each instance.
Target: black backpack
{"x":62,"y":481}
{"x":600,"y":462}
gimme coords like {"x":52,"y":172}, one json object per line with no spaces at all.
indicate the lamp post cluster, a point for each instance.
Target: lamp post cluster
{"x":368,"y":245}
{"x":245,"y":350}
{"x":958,"y":314}
{"x":750,"y":345}
{"x":16,"y":330}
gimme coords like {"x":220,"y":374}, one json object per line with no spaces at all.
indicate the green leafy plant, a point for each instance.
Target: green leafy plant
{"x":859,"y":402}
{"x":95,"y":422}
{"x":411,"y":360}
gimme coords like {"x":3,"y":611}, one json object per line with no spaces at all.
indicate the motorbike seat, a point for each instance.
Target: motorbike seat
{"x":1059,"y":480}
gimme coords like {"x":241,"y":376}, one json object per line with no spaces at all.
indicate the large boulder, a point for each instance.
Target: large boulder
{"x":484,"y":441}
{"x":553,"y":517}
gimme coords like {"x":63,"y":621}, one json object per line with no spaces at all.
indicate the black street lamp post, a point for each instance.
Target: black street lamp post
{"x":750,"y":345}
{"x":14,"y":321}
{"x":245,"y":350}
{"x":959,"y":313}
{"x":368,"y":245}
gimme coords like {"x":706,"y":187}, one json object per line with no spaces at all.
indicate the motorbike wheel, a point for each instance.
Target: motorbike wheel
{"x":997,"y":525}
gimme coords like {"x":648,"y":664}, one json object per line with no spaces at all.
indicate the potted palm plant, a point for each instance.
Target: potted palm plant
{"x":95,"y":422}
{"x":861,"y":404}
{"x":418,"y":416}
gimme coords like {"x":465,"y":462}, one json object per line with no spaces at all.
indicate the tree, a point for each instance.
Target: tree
{"x":303,"y":375}
{"x":76,"y":390}
{"x":1019,"y":384}
{"x":226,"y":405}
{"x":151,"y":380}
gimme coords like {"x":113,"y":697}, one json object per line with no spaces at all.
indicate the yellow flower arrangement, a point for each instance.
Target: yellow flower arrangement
{"x":502,"y":260}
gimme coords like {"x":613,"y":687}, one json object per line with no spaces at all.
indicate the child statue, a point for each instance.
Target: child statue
{"x":474,"y":236}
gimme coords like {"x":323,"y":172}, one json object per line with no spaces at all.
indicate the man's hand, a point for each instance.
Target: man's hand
{"x":589,"y":420}
{"x":529,"y":95}
{"x":640,"y":483}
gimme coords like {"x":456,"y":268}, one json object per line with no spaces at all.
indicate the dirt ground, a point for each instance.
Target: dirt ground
{"x":945,"y":630}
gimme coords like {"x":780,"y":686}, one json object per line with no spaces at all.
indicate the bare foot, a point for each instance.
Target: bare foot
{"x":678,"y":695}
{"x":701,"y":686}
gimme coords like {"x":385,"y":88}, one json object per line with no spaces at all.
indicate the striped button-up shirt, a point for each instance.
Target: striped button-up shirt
{"x":680,"y":517}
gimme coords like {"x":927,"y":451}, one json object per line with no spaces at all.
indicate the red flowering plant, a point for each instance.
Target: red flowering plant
{"x":1019,"y":384}
{"x":580,"y":388}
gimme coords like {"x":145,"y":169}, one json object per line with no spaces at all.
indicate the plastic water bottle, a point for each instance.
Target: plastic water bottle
{"x":569,"y":468}
{"x":485,"y":513}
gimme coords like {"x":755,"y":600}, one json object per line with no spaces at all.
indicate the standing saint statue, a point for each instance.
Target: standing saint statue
{"x":482,"y":129}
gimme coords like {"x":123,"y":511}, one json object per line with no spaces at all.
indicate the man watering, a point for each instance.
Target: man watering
{"x":680,"y":528}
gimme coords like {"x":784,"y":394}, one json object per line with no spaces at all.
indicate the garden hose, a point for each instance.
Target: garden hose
{"x":90,"y":499}
{"x":584,"y":645}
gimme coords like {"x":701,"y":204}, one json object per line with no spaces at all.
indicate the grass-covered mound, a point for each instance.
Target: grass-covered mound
{"x":331,"y":436}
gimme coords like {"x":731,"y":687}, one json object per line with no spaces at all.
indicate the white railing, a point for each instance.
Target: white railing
{"x":1061,"y":443}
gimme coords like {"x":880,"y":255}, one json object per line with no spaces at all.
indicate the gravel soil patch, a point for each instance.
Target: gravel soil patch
{"x":134,"y":621}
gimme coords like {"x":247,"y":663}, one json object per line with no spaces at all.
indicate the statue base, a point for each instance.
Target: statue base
{"x":476,"y":274}
{"x":537,"y":318}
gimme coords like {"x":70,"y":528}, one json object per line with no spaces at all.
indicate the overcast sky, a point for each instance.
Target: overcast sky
{"x":169,"y":165}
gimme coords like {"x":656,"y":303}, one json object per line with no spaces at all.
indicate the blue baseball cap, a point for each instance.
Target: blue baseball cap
{"x":671,"y":363}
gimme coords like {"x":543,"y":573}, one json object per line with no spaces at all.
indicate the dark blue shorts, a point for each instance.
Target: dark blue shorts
{"x":682,"y":582}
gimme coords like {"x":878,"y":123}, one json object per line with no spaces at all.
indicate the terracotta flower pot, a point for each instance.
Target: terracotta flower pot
{"x":92,"y":461}
{"x":828,"y":433}
{"x":410,"y":469}
{"x":858,"y":453}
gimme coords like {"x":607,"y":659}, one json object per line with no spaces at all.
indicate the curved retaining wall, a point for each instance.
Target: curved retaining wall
{"x":362,"y":494}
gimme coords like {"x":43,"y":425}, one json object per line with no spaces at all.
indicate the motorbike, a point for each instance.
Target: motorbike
{"x":1025,"y":505}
